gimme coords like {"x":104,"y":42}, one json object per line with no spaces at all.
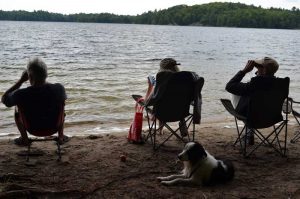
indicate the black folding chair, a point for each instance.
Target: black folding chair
{"x":264,"y":111}
{"x":43,"y":126}
{"x":290,"y":108}
{"x":173,"y":104}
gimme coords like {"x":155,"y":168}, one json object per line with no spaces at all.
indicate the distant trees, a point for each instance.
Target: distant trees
{"x":212,"y":14}
{"x":31,"y":16}
{"x":224,"y":14}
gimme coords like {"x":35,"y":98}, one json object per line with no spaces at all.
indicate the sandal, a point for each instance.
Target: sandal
{"x":19,"y":141}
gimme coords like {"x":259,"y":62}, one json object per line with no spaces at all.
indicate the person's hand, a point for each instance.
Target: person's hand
{"x":249,"y":66}
{"x":151,"y":80}
{"x":24,"y":77}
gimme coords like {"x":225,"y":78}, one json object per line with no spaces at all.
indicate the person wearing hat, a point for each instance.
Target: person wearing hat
{"x":266,"y":69}
{"x":166,"y":65}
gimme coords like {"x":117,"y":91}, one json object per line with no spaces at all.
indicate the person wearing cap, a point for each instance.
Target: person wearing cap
{"x":166,"y":65}
{"x":266,"y":69}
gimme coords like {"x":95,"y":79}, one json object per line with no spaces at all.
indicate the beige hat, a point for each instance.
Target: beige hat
{"x":270,"y":65}
{"x":169,"y":64}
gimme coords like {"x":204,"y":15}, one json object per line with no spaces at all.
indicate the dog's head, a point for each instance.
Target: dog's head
{"x":193,"y":152}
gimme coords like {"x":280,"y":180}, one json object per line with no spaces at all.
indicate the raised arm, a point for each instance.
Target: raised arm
{"x":5,"y":97}
{"x":235,"y":86}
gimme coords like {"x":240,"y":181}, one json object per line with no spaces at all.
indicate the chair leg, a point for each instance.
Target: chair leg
{"x":245,"y":142}
{"x":285,"y":136}
{"x":150,"y":126}
{"x":239,"y":133}
{"x":58,"y":151}
{"x":297,"y":133}
{"x":190,"y":121}
{"x":154,"y":136}
{"x":265,"y":140}
{"x":262,"y":139}
{"x":153,"y":131}
{"x":281,"y":149}
{"x":240,"y":137}
{"x":28,"y":151}
{"x":193,"y":132}
{"x":174,"y":132}
{"x":296,"y":137}
{"x":278,"y":141}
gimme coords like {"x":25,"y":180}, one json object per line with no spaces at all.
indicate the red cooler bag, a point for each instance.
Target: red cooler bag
{"x":135,"y":130}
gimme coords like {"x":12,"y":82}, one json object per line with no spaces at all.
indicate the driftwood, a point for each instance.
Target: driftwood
{"x":40,"y":193}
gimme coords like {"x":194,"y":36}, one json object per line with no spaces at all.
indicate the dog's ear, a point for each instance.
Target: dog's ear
{"x":196,"y":153}
{"x":201,"y":150}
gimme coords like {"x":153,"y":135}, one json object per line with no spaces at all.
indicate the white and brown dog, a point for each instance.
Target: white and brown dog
{"x":200,"y":168}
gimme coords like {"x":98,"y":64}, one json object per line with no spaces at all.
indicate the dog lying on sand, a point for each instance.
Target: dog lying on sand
{"x":200,"y":168}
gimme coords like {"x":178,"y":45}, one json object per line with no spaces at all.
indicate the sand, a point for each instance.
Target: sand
{"x":91,"y":168}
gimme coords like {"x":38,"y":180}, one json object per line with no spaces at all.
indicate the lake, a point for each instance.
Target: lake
{"x":102,"y":65}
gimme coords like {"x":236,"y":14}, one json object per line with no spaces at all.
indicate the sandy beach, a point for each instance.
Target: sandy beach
{"x":91,"y":168}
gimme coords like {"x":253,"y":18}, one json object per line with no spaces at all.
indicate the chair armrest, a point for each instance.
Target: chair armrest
{"x":229,"y":107}
{"x":139,"y":99}
{"x":295,"y":113}
{"x":293,"y":101}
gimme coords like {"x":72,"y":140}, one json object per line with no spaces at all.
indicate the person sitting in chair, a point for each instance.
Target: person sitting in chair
{"x":39,"y":96}
{"x":166,"y":64}
{"x":266,"y":68}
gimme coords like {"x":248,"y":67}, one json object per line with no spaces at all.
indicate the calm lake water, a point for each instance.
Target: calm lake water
{"x":101,"y":65}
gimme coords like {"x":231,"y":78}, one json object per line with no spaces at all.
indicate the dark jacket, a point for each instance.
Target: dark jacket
{"x":236,"y":87}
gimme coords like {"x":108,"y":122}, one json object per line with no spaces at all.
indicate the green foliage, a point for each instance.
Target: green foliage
{"x":212,"y":14}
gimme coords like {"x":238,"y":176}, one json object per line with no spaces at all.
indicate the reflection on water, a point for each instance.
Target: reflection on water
{"x":101,"y":65}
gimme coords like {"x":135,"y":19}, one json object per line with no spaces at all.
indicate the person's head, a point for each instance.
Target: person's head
{"x":168,"y":64}
{"x":37,"y":71}
{"x":266,"y":66}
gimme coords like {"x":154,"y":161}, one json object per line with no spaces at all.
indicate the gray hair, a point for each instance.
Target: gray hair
{"x":37,"y":69}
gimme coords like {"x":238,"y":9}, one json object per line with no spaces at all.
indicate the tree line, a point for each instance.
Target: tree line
{"x":211,"y":14}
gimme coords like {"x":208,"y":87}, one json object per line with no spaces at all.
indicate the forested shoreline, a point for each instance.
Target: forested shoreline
{"x":211,"y":14}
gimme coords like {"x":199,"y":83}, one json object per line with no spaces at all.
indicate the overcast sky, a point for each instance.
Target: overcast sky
{"x":126,"y":7}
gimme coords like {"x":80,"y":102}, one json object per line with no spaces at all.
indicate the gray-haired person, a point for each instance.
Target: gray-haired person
{"x":38,"y":96}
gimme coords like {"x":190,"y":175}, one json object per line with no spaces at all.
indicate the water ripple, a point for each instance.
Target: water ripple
{"x":101,"y":65}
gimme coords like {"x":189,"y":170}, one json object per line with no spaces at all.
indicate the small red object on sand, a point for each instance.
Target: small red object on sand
{"x":123,"y":158}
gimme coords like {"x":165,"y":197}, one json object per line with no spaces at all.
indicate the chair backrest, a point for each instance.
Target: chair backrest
{"x":43,"y":124}
{"x":265,"y":107}
{"x":42,"y":112}
{"x":174,"y":103}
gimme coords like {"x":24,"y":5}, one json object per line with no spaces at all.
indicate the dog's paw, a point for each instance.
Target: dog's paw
{"x":166,"y":183}
{"x":159,"y":178}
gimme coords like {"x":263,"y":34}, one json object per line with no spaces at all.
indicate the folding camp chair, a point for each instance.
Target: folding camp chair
{"x":43,"y":125}
{"x":264,"y":111}
{"x":290,"y":108}
{"x":172,"y":101}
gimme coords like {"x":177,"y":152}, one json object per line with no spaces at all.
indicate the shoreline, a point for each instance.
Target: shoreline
{"x":123,"y":127}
